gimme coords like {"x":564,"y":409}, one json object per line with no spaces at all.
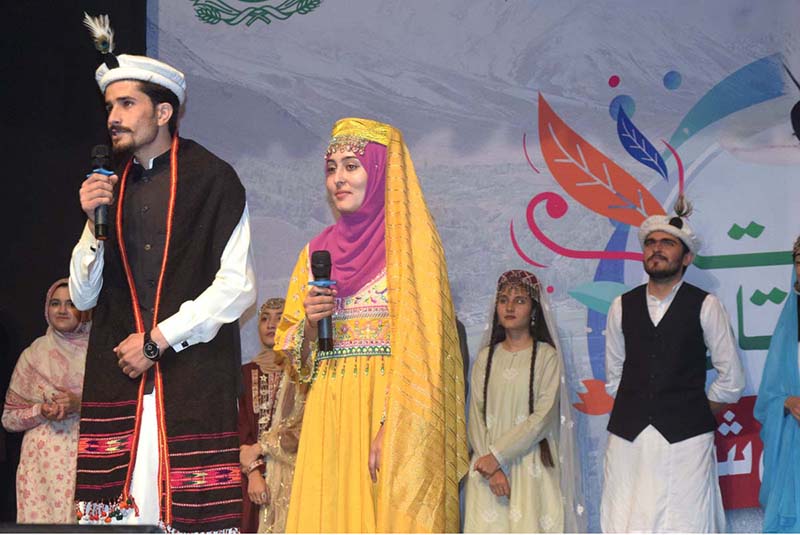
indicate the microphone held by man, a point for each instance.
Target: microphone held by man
{"x":101,"y":164}
{"x":97,"y":192}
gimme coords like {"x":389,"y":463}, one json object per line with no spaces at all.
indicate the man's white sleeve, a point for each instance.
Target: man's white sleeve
{"x":719,"y":339}
{"x":231,"y":292}
{"x":615,"y":347}
{"x":86,"y":270}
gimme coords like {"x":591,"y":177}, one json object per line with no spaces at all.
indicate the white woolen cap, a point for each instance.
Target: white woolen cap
{"x":670,"y":225}
{"x":144,"y":69}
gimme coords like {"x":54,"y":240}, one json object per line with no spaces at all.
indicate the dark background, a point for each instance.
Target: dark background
{"x":52,"y":116}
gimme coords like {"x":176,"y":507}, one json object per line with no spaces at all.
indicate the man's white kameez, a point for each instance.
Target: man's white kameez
{"x":651,"y":485}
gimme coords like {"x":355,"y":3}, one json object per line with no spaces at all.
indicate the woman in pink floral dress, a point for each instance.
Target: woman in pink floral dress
{"x":43,"y":400}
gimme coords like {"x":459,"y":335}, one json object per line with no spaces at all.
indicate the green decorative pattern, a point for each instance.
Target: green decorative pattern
{"x":776,"y":295}
{"x":728,"y":261}
{"x":216,"y":11}
{"x":748,"y":342}
{"x":753,"y":230}
{"x":362,"y":351}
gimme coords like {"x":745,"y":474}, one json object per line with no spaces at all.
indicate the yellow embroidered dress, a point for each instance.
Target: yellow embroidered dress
{"x":396,"y":353}
{"x":342,"y":416}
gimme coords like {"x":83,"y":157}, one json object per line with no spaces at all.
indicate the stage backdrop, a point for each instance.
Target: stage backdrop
{"x":544,"y":133}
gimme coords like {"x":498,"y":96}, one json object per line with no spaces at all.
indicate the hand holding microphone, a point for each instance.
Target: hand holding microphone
{"x":319,"y":303}
{"x":97,"y":191}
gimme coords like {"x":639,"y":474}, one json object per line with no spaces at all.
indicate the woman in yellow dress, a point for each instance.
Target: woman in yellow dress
{"x":383,"y":445}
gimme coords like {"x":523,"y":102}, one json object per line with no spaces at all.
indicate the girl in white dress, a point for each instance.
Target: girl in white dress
{"x":515,"y":425}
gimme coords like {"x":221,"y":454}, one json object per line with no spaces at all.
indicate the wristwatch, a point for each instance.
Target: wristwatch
{"x":150,"y":348}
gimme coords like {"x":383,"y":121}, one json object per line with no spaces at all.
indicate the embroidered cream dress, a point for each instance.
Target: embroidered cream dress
{"x":513,"y":435}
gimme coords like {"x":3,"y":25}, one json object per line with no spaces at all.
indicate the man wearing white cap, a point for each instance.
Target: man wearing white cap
{"x":660,"y":465}
{"x":159,"y":442}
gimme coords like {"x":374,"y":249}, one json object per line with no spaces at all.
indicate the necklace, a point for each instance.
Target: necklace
{"x":268,"y":392}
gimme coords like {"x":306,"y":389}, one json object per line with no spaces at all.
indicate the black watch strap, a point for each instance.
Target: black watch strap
{"x":150,"y":349}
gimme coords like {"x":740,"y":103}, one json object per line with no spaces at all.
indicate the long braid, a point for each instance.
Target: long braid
{"x":497,"y":336}
{"x":539,"y":331}
{"x":486,"y":380}
{"x":530,"y":380}
{"x":533,"y":357}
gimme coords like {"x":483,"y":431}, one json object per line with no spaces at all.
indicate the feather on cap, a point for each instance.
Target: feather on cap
{"x":676,"y":225}
{"x":102,"y":34}
{"x":129,"y":67}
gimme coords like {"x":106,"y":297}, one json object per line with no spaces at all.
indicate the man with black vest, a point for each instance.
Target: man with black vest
{"x":660,"y":465}
{"x":158,"y":435}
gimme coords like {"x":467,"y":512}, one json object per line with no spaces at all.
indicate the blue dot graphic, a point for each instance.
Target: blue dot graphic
{"x":625,"y":102}
{"x":672,"y":80}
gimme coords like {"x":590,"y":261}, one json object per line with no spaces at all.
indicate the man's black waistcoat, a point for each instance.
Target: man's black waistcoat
{"x":664,"y":375}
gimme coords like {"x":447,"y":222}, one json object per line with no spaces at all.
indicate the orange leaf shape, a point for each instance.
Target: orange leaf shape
{"x":589,"y":176}
{"x":595,"y":400}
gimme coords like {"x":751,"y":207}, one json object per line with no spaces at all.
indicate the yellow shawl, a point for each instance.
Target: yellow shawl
{"x":425,"y":449}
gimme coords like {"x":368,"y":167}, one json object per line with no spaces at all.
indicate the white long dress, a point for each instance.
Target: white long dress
{"x":513,"y":435}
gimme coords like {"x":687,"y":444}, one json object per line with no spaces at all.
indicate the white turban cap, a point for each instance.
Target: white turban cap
{"x":144,"y":69}
{"x":673,"y":225}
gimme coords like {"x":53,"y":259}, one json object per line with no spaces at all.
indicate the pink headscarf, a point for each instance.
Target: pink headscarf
{"x":357,"y":241}
{"x":78,"y":336}
{"x":51,"y":363}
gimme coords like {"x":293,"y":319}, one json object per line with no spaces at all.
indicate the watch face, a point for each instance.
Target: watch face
{"x":150,"y":350}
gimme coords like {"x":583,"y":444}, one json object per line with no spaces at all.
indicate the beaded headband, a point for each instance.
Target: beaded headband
{"x":347,"y":143}
{"x":273,"y":303}
{"x":353,"y":134}
{"x":520,"y":277}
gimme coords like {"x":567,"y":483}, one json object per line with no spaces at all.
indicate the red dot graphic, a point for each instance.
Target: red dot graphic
{"x":613,"y":81}
{"x":550,"y":289}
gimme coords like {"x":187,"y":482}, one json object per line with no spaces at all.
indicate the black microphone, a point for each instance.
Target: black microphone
{"x":101,"y":163}
{"x":321,"y":269}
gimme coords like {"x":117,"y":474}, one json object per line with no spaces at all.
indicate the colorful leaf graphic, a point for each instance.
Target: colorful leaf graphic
{"x":754,"y":83}
{"x":638,"y":145}
{"x":595,"y":400}
{"x":598,"y":295}
{"x":589,"y":176}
